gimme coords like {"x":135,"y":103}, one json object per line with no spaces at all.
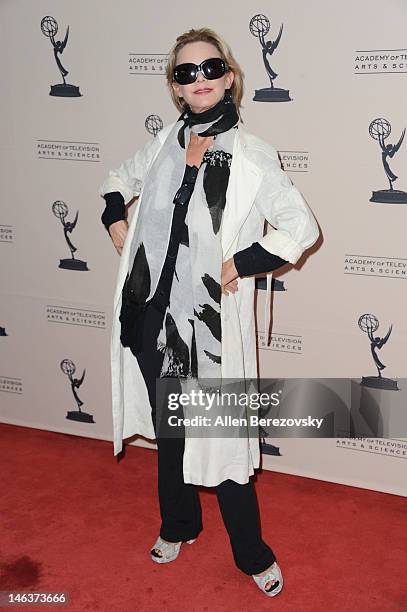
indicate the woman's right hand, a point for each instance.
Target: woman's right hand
{"x":118,"y":232}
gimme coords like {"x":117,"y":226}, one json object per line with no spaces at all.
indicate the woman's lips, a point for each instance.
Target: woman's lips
{"x":203,"y":91}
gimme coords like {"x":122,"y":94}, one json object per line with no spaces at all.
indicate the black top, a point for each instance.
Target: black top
{"x":253,"y":260}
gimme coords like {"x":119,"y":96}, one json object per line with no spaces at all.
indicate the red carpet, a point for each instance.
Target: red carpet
{"x":74,"y":519}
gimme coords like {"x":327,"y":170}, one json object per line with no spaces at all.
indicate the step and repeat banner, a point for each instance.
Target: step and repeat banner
{"x":325,"y":84}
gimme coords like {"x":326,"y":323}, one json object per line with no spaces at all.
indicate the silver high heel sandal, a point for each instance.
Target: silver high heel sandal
{"x":164,"y":552}
{"x":273,"y":579}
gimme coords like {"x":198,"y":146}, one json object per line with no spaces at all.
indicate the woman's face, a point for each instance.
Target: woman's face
{"x":203,"y":93}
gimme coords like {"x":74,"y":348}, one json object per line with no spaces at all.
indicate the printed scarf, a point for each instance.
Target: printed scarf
{"x":191,"y":334}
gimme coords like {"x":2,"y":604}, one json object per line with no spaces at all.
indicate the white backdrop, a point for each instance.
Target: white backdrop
{"x":344,"y":66}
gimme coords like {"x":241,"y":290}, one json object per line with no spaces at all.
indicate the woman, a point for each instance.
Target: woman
{"x":184,"y":302}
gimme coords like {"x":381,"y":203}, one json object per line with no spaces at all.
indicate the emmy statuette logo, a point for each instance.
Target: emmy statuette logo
{"x":60,"y":210}
{"x":368,"y":323}
{"x":49,"y":28}
{"x":266,"y":447}
{"x":379,"y":130}
{"x":259,"y":26}
{"x":153,"y":124}
{"x":260,"y":283}
{"x":68,"y":367}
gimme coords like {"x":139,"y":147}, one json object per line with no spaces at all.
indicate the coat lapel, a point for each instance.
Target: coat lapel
{"x":243,"y":184}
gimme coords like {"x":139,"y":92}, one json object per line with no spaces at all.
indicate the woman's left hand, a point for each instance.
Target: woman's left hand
{"x":229,"y":277}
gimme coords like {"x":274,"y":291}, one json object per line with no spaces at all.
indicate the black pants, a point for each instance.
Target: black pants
{"x":180,"y":507}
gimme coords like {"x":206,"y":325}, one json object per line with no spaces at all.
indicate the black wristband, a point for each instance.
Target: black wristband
{"x":255,"y":260}
{"x":115,"y":209}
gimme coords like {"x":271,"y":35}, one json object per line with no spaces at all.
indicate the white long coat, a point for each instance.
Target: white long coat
{"x":258,"y":189}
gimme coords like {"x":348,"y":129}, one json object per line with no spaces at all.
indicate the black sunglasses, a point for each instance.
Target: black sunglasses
{"x":212,"y":68}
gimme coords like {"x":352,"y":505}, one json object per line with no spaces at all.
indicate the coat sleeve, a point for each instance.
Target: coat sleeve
{"x":256,"y":260}
{"x":129,"y":176}
{"x":280,"y":202}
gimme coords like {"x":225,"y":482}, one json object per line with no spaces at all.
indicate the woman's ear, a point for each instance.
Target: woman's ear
{"x":175,"y":87}
{"x":230,"y":76}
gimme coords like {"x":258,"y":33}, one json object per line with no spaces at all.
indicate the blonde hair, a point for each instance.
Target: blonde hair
{"x":209,"y":36}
